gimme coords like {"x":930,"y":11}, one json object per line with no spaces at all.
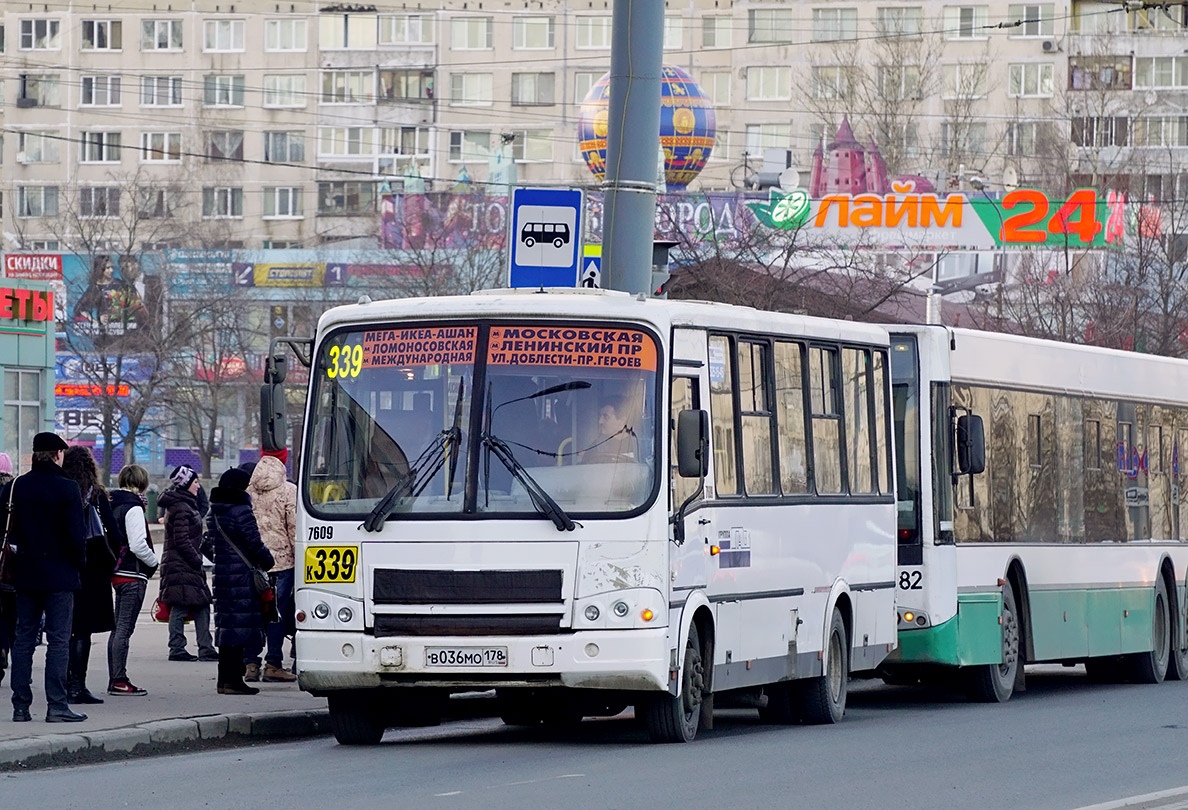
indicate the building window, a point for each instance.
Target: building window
{"x":833,"y":24}
{"x":767,"y":136}
{"x":583,"y":80}
{"x":283,"y":202}
{"x":160,"y":91}
{"x":405,"y":29}
{"x":99,"y":147}
{"x":222,"y":35}
{"x":224,"y":144}
{"x":964,"y":81}
{"x":901,"y":22}
{"x":160,"y":147}
{"x":37,"y":201}
{"x":405,"y":85}
{"x":471,"y":89}
{"x":346,"y":198}
{"x":1160,"y":72}
{"x":1038,"y":20}
{"x":963,"y":139}
{"x":347,"y":31}
{"x":769,"y":83}
{"x":99,"y":201}
{"x":829,"y":82}
{"x":771,"y":25}
{"x":1030,"y":80}
{"x":284,"y":147}
{"x":284,"y":35}
{"x":161,"y":35}
{"x":533,"y":146}
{"x":102,"y":35}
{"x":1161,"y":131}
{"x":965,"y":22}
{"x":284,"y":91}
{"x":404,"y":141}
{"x":673,"y":33}
{"x":593,"y":32}
{"x":37,"y":147}
{"x":1023,"y":138}
{"x":100,"y":91}
{"x":222,"y":203}
{"x":22,"y":414}
{"x":717,"y":86}
{"x":41,"y":35}
{"x":154,"y":203}
{"x":39,"y":90}
{"x":348,"y":87}
{"x":346,"y":141}
{"x":532,"y":33}
{"x":1100,"y":131}
{"x":530,"y":89}
{"x":220,"y":90}
{"x":899,"y":82}
{"x":715,"y":32}
{"x":1156,"y":19}
{"x":1099,"y":73}
{"x":471,"y":33}
{"x":470,"y":146}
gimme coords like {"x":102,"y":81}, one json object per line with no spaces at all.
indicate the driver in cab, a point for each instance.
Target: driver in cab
{"x":616,"y":441}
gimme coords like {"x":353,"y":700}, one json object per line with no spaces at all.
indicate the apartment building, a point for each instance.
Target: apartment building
{"x":265,"y":124}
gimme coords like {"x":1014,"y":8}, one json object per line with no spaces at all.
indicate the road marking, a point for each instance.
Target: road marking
{"x":1174,"y":799}
{"x":544,"y":779}
{"x":451,"y":793}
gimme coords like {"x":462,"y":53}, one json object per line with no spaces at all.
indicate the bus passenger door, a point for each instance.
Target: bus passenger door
{"x":689,"y":558}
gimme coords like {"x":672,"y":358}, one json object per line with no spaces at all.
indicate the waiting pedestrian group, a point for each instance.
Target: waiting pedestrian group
{"x":75,"y":561}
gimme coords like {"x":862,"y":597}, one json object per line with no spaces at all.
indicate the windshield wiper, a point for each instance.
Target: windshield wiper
{"x":420,"y":473}
{"x":542,"y":500}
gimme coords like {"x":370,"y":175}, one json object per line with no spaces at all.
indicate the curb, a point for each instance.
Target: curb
{"x":159,"y":737}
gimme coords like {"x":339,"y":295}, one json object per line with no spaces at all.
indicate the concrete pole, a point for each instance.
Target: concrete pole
{"x":633,"y":133}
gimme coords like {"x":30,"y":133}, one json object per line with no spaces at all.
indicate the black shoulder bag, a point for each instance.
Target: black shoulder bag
{"x":263,"y":583}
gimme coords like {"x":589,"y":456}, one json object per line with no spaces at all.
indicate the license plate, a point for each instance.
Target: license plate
{"x":466,"y":656}
{"x":331,"y":563}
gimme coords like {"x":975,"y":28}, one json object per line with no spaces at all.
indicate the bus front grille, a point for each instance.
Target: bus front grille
{"x":402,"y":586}
{"x":462,"y":625}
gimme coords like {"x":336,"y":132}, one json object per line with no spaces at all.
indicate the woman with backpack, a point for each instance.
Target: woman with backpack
{"x":135,"y":564}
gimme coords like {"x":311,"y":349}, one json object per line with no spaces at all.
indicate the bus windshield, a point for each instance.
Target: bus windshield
{"x":417,"y":420}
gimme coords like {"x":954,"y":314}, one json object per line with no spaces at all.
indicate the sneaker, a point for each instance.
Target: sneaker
{"x":278,"y":674}
{"x":125,"y":688}
{"x":238,"y":689}
{"x":252,"y":672}
{"x":183,"y":656}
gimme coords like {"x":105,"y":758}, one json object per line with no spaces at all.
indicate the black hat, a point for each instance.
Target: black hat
{"x":48,"y":443}
{"x":235,"y":478}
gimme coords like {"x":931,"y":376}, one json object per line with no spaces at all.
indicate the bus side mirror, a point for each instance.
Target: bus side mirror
{"x":971,"y":445}
{"x":275,"y":367}
{"x":273,"y":429}
{"x":692,"y":439}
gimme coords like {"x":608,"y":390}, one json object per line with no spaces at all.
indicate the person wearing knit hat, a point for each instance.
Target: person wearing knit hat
{"x":183,"y":580}
{"x":282,"y":454}
{"x":182,"y":476}
{"x":239,"y":616}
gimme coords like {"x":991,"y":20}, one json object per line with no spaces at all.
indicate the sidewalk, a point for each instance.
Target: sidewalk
{"x":181,"y":708}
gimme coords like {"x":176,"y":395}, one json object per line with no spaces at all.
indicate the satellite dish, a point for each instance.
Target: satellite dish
{"x":789,"y":179}
{"x":1010,"y":178}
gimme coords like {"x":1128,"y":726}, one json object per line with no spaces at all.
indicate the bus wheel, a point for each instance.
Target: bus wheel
{"x":823,"y":699}
{"x":677,"y":719}
{"x":1151,"y":667}
{"x":783,"y":704}
{"x":1177,"y":665}
{"x":557,"y":242}
{"x":995,"y":683}
{"x":356,"y":718}
{"x":529,"y":241}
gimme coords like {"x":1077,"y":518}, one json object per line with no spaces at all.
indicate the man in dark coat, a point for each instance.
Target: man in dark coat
{"x":50,"y":538}
{"x":239,"y":616}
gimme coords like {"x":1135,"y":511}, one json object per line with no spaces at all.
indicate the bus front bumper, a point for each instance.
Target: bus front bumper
{"x":630,"y":660}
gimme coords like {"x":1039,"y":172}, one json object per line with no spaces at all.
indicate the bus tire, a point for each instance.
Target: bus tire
{"x":1151,"y":666}
{"x":677,"y":719}
{"x":783,"y":704}
{"x":529,"y":241}
{"x":356,"y":718}
{"x":823,"y":699}
{"x":1177,"y":665}
{"x":995,"y":683}
{"x":558,"y":242}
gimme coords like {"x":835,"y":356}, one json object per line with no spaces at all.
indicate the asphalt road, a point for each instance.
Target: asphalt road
{"x":1065,"y":743}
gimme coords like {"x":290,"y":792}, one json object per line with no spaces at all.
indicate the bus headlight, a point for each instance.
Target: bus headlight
{"x":345,"y":614}
{"x":627,"y":609}
{"x":620,"y":609}
{"x":592,"y":613}
{"x":321,"y":610}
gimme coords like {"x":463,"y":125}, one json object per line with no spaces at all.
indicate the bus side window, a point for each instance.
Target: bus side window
{"x":684,"y":397}
{"x":882,"y":444}
{"x":827,"y":435}
{"x":856,"y":385}
{"x":789,"y":405}
{"x":722,"y":416}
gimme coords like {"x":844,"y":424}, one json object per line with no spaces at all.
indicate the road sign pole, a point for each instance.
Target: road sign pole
{"x":637,"y":39}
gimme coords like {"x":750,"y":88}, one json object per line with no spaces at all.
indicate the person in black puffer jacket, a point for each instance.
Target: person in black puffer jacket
{"x":183,"y":582}
{"x":238,"y":614}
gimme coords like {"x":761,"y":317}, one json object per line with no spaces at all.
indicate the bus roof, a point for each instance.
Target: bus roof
{"x":580,"y":303}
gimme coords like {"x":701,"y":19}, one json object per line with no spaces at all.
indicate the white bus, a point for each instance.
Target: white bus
{"x":485,"y":504}
{"x":1042,"y":509}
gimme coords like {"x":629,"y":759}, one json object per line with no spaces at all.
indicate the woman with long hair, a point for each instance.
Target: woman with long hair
{"x":93,"y":606}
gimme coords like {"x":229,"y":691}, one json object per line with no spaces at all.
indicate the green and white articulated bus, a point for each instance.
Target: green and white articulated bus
{"x":587,"y":500}
{"x":1065,"y":540}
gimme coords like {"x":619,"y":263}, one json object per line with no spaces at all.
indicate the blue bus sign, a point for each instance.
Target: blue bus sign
{"x":545,"y":235}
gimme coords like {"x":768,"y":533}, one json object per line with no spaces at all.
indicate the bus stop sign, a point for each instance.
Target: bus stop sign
{"x":545,"y":234}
